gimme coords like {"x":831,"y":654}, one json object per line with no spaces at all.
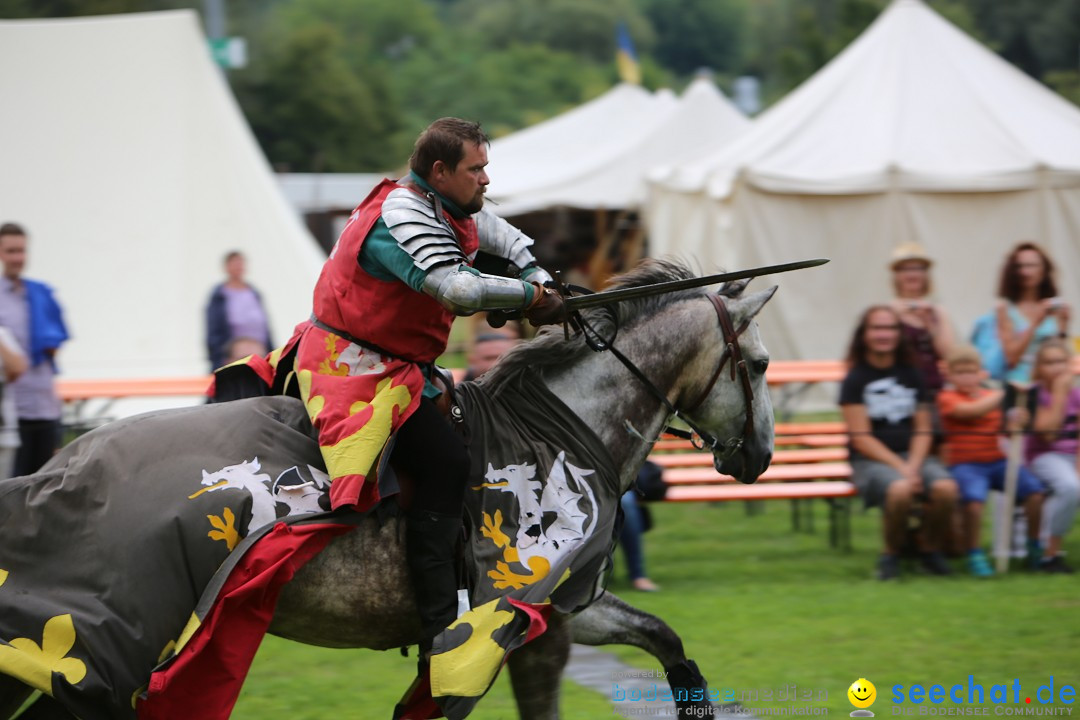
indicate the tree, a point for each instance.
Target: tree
{"x":585,"y":28}
{"x":692,"y":34}
{"x":311,"y":112}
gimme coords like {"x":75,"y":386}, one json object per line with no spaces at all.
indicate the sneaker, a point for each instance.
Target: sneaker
{"x":936,"y":564}
{"x":978,"y":565}
{"x":1034,"y":554}
{"x":888,"y":567}
{"x":1056,"y":566}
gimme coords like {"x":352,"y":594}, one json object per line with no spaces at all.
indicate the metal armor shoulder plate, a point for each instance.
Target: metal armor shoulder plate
{"x":427,"y":239}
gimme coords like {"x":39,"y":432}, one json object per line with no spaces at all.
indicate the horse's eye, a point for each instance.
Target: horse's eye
{"x":760,"y":366}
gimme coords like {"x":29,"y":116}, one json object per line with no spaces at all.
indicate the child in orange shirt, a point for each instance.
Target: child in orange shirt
{"x":971,"y":418}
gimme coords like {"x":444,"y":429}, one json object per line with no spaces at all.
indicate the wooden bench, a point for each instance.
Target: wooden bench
{"x":77,"y":393}
{"x":809,"y":463}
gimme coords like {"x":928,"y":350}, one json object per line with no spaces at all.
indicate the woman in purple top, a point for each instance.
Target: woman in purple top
{"x":235,"y":317}
{"x":923,"y":323}
{"x":1052,"y":448}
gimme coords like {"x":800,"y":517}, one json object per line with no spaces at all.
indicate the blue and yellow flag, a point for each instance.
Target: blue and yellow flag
{"x":625,"y":57}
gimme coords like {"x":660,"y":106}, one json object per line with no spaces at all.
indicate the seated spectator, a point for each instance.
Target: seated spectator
{"x":1052,"y":448}
{"x":1030,"y":310}
{"x":924,"y":323}
{"x":972,"y":418}
{"x":884,"y":404}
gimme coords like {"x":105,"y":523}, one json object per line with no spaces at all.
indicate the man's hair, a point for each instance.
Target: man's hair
{"x":444,"y":140}
{"x":11,"y":229}
{"x":233,"y":254}
{"x":963,"y":354}
{"x":856,"y":354}
{"x":1009,"y":285}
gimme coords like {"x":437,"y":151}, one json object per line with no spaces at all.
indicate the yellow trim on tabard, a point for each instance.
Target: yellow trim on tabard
{"x":34,"y":665}
{"x":467,"y":670}
{"x":3,"y":576}
{"x":193,"y":624}
{"x":315,"y":404}
{"x":274,"y":357}
{"x":242,"y":361}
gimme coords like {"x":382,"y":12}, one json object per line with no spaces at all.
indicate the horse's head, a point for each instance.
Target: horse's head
{"x":731,"y":399}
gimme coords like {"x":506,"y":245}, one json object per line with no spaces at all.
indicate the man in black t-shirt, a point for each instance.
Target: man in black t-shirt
{"x":885,"y":406}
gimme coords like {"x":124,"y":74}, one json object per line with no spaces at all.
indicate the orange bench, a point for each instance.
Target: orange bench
{"x":78,"y":392}
{"x":810,"y":463}
{"x":81,"y":390}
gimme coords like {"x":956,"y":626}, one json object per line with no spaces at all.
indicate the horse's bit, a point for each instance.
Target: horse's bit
{"x":700,"y":438}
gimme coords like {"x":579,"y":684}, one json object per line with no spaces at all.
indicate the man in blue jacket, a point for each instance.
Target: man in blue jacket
{"x":30,"y":311}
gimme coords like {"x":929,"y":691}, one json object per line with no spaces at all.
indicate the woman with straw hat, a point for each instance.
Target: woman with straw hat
{"x":923,"y":322}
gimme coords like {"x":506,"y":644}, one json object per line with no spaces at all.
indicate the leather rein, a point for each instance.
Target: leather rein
{"x":701,"y":439}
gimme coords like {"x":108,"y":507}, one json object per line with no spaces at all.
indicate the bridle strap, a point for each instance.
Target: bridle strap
{"x":731,"y":350}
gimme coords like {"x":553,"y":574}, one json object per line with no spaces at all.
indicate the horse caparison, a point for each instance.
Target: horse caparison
{"x":356,"y":592}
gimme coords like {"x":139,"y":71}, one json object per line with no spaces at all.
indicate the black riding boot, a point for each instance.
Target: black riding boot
{"x":431,"y":548}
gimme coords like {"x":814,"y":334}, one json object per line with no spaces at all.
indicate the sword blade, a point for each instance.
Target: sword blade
{"x":581,"y":302}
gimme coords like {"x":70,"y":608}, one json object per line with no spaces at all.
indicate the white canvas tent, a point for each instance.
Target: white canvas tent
{"x":914,"y":132}
{"x":596,"y":156}
{"x":130,"y":165}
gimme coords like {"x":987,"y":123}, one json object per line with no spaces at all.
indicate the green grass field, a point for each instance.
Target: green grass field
{"x":758,"y":606}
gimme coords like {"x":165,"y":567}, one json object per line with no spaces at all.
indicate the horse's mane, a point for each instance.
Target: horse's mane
{"x":550,"y":348}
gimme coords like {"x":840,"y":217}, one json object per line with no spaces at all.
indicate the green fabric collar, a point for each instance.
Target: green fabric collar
{"x":450,"y":205}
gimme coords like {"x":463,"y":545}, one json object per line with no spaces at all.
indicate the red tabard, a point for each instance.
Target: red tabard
{"x":390,"y":315}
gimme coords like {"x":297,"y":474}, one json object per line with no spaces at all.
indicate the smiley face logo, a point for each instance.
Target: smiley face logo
{"x":862,"y":693}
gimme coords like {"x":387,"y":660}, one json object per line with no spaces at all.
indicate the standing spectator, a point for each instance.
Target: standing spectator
{"x":12,"y":365}
{"x":30,"y":311}
{"x":972,"y":418}
{"x":884,"y":403}
{"x":924,"y":323}
{"x":1030,"y":310}
{"x":235,"y":312}
{"x":634,"y":526}
{"x":1052,"y":449}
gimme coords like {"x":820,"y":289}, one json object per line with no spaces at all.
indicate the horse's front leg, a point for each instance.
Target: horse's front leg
{"x":536,"y":670}
{"x":610,"y":621}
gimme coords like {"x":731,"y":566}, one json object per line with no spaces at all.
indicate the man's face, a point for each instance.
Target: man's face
{"x":465,"y":184}
{"x":13,"y":254}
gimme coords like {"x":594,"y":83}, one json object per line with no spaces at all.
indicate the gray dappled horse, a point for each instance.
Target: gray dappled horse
{"x":356,"y":592}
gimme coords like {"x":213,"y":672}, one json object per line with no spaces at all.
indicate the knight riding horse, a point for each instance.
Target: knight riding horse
{"x":383,"y":307}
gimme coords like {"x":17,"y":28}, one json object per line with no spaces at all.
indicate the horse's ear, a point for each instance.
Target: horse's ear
{"x":733,"y":288}
{"x":749,"y":306}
